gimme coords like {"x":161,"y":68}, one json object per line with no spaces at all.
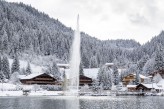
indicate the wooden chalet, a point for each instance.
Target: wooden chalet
{"x":148,"y":87}
{"x":85,"y":80}
{"x":40,"y":79}
{"x":131,"y":78}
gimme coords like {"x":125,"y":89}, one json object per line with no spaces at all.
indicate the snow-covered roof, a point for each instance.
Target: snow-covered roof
{"x":161,"y":82}
{"x":150,"y":86}
{"x":63,"y":65}
{"x":31,"y":76}
{"x":132,"y":86}
{"x":142,"y":76}
{"x":109,"y":64}
{"x":91,"y":72}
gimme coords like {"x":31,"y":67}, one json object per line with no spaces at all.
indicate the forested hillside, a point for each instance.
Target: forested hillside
{"x":32,"y":36}
{"x":151,"y":56}
{"x":25,"y":30}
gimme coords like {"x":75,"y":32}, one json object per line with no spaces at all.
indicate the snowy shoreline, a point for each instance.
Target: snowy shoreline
{"x":55,"y":93}
{"x":32,"y":93}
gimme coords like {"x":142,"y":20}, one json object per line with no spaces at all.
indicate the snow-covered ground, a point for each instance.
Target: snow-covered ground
{"x":11,"y":93}
{"x":32,"y":93}
{"x":7,"y":89}
{"x":7,"y":86}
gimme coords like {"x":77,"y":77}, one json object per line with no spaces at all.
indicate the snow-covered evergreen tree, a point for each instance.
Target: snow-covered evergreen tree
{"x":95,"y":85}
{"x":15,"y":65}
{"x":149,"y":67}
{"x":22,"y":46}
{"x":137,"y":78}
{"x":115,"y":75}
{"x":5,"y":67}
{"x":28,"y":69}
{"x":22,"y":71}
{"x":159,"y":60}
{"x":0,"y":63}
{"x":55,"y":71}
{"x":81,"y":69}
{"x":141,"y":63}
{"x":105,"y":77}
{"x":2,"y":76}
{"x":93,"y":62}
{"x":15,"y":78}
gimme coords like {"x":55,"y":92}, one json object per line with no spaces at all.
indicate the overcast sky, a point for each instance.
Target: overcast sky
{"x":107,"y":19}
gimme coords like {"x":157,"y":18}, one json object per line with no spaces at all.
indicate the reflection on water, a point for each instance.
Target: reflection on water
{"x":130,"y":102}
{"x":72,"y":103}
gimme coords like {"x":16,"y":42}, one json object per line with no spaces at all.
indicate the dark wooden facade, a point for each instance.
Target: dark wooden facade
{"x":85,"y":80}
{"x":143,"y":88}
{"x":43,"y":79}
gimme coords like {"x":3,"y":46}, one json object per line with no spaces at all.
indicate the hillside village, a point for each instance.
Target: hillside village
{"x":100,"y":81}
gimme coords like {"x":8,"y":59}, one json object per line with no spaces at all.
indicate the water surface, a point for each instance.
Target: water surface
{"x":128,"y":102}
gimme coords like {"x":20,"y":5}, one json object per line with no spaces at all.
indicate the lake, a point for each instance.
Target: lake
{"x":85,"y":102}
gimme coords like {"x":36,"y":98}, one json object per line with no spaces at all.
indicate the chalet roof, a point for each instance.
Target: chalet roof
{"x":91,"y":72}
{"x":161,"y":83}
{"x":32,"y":75}
{"x":142,"y":76}
{"x":63,"y":65}
{"x":83,"y":76}
{"x":150,"y":86}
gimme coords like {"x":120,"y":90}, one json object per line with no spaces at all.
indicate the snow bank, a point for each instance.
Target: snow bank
{"x":7,"y":86}
{"x":11,"y":93}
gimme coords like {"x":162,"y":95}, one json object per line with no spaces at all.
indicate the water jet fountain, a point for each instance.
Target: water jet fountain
{"x":75,"y":63}
{"x":73,"y":83}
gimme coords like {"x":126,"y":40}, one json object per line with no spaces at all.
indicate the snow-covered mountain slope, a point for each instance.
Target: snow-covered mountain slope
{"x":34,"y":68}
